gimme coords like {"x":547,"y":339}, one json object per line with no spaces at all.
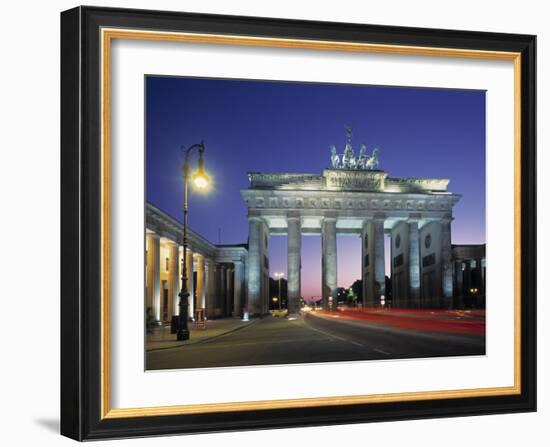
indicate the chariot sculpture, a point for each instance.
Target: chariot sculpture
{"x":349,"y":161}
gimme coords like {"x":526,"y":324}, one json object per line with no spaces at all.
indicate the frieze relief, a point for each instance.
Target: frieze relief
{"x":276,"y":181}
{"x":346,"y":203}
{"x":354,"y":180}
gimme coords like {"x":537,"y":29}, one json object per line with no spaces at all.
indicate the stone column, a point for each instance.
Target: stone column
{"x":238,"y":288}
{"x":324,"y":294}
{"x":478,"y":282}
{"x":210,"y":288}
{"x":459,"y":275}
{"x":173,"y":278}
{"x":266,"y":293}
{"x":479,"y":268}
{"x":153,"y":274}
{"x":200,"y":286}
{"x":329,"y":262}
{"x":379,"y":258}
{"x":223,"y":289}
{"x":467,"y":277}
{"x":482,"y":273}
{"x":217,"y":272}
{"x":366,"y":264}
{"x":228,"y":294}
{"x":446,"y":266}
{"x":265,"y":267}
{"x":294,"y":264}
{"x":414,"y":264}
{"x":190,"y":284}
{"x":255,"y":242}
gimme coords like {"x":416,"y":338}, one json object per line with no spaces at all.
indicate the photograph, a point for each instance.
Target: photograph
{"x":309,"y":222}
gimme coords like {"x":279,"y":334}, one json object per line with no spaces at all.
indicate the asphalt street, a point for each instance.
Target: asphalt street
{"x":312,"y":339}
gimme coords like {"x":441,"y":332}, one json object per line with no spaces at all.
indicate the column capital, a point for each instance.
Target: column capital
{"x":153,"y":235}
{"x":414,"y":217}
{"x":379,"y":217}
{"x":257,"y":218}
{"x":293,"y":215}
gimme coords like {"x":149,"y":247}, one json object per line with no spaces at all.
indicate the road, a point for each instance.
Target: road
{"x":314,"y":338}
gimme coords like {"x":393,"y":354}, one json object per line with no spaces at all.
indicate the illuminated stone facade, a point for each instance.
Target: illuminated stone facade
{"x":216,"y":273}
{"x":415,"y":213}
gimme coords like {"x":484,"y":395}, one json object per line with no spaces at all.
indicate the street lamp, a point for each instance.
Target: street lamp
{"x":279,"y":276}
{"x":200,"y":181}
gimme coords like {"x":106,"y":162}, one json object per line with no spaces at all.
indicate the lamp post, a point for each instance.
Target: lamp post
{"x":279,"y":276}
{"x":200,"y":180}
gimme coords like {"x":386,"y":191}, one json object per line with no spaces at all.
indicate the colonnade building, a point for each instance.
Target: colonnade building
{"x":469,"y":275}
{"x":216,"y":273}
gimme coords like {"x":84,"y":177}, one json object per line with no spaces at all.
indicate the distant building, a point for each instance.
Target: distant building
{"x":469,"y":275}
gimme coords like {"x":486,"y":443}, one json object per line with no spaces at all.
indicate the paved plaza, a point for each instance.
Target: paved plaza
{"x":331,"y":336}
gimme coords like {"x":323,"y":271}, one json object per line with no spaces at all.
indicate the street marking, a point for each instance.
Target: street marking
{"x":327,"y":334}
{"x":381,"y":351}
{"x":337,"y":337}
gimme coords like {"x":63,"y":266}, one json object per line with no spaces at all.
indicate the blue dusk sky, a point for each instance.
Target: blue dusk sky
{"x":252,"y":126}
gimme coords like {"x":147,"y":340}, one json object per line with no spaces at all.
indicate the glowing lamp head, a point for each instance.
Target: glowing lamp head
{"x":200,"y":179}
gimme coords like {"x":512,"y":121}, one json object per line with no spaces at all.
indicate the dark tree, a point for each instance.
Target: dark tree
{"x":341,"y":295}
{"x":357,"y":288}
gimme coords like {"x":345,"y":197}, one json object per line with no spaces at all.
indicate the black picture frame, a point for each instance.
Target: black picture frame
{"x":81,"y":391}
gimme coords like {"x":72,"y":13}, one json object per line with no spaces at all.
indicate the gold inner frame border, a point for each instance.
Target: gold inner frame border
{"x":107,"y":35}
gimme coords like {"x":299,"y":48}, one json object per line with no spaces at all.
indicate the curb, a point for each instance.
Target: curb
{"x":206,"y":340}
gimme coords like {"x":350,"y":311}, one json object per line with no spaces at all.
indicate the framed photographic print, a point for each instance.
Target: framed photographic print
{"x":274,"y":223}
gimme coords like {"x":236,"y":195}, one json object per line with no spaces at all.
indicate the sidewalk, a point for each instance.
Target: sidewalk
{"x":161,"y":338}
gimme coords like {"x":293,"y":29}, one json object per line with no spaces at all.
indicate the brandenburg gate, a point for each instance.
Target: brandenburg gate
{"x":354,"y":197}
